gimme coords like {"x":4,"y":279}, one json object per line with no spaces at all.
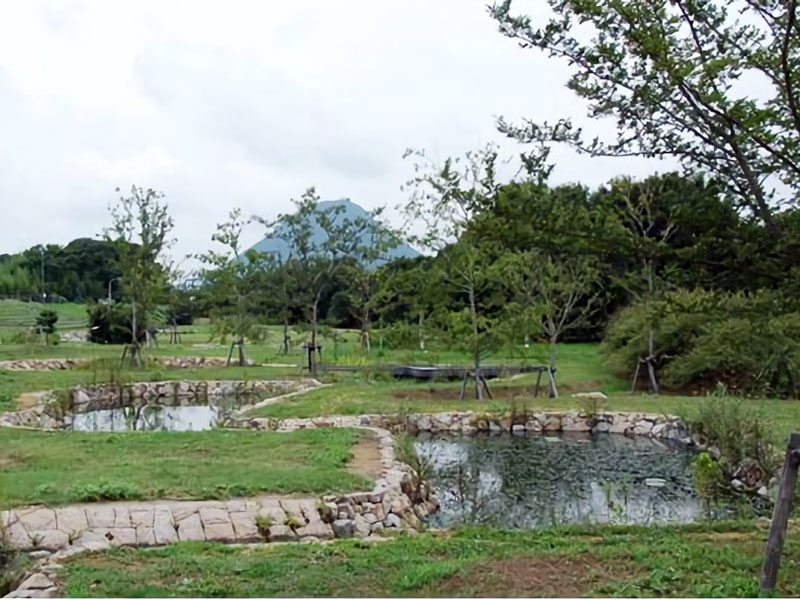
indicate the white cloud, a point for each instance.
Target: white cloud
{"x":247,"y":103}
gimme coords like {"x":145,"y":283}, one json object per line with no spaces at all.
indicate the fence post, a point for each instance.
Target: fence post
{"x":780,"y":515}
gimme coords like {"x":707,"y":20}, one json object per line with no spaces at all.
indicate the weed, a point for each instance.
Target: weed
{"x":263,"y":523}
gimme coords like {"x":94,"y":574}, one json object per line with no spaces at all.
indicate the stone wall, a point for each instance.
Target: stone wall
{"x":647,"y":424}
{"x":54,"y":408}
{"x":61,"y":364}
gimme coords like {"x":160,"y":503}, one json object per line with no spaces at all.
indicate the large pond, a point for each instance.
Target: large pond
{"x":540,"y":480}
{"x":197,"y":414}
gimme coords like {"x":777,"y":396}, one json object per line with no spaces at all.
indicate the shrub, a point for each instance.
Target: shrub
{"x":105,"y":490}
{"x":751,"y":343}
{"x":736,"y":428}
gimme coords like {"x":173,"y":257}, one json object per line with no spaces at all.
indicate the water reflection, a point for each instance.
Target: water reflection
{"x":535,"y":481}
{"x":198,"y":414}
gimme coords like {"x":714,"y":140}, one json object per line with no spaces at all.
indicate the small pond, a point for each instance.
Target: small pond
{"x":541,"y":480}
{"x":197,"y":414}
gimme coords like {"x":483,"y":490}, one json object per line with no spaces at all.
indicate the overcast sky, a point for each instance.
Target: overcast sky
{"x":235,"y":103}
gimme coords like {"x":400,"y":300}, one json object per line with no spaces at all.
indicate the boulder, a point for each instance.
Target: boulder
{"x":343,"y":528}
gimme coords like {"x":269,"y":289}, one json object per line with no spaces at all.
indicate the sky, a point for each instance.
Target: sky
{"x":248,"y":103}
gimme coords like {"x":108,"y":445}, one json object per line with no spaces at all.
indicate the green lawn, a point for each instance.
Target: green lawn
{"x":698,"y":560}
{"x":57,"y":468}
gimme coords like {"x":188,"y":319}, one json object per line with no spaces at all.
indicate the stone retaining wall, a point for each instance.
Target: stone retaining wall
{"x":62,"y":364}
{"x":647,"y":424}
{"x":54,"y":408}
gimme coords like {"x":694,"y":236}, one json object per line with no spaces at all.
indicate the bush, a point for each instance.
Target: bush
{"x":105,"y":490}
{"x":751,"y":343}
{"x":736,"y":428}
{"x":111,"y":324}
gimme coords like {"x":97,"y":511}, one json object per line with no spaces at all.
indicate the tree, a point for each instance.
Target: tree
{"x":232,"y":288}
{"x":317,"y":240}
{"x":670,"y":73}
{"x":447,"y":199}
{"x":550,"y":295}
{"x":46,"y":323}
{"x":140,"y":228}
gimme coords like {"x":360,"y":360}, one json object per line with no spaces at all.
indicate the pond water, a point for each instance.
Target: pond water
{"x":536,"y":481}
{"x":189,"y":415}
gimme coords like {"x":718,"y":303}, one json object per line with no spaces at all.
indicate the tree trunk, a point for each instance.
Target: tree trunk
{"x":552,"y":366}
{"x":473,"y":312}
{"x":242,"y":355}
{"x":136,"y":360}
{"x":365,"y":347}
{"x":421,"y":332}
{"x":651,"y":370}
{"x":285,"y":343}
{"x":312,"y":352}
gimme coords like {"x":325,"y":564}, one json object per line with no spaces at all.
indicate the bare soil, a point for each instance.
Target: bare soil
{"x":533,"y":577}
{"x":366,"y":457}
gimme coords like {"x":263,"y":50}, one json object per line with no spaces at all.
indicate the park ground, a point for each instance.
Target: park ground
{"x":706,"y":559}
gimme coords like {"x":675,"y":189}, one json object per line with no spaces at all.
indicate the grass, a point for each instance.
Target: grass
{"x":695,"y":560}
{"x":15,"y":314}
{"x":56,"y":468}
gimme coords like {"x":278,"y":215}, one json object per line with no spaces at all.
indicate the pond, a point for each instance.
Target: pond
{"x":197,"y":414}
{"x":540,"y":480}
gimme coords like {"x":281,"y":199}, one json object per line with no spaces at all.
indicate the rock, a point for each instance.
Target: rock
{"x":37,"y":581}
{"x":371,"y":518}
{"x":362,"y":528}
{"x":145,"y":536}
{"x":316,"y":529}
{"x":191,"y":528}
{"x":39,"y":519}
{"x":763,"y":491}
{"x":142,"y":517}
{"x":101,"y":517}
{"x":281,"y":533}
{"x":163,"y":527}
{"x":276,"y":515}
{"x":219,"y":532}
{"x":602,"y":427}
{"x":17,"y":536}
{"x":244,"y":526}
{"x":400,"y":504}
{"x":214,"y":516}
{"x":343,"y":528}
{"x":518,"y":429}
{"x":643,"y":427}
{"x":392,"y":520}
{"x":377,"y":528}
{"x":51,"y":539}
{"x":737,"y":485}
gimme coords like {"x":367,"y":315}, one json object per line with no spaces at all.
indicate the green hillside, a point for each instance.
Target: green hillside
{"x":17,"y":314}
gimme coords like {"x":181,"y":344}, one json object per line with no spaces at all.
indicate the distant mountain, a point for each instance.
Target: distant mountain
{"x":351,"y":211}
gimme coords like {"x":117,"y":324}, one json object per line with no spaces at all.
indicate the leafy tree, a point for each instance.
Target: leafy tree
{"x":231,"y":280}
{"x":669,"y":73}
{"x":549,"y":295}
{"x":315,"y":261}
{"x":140,"y":228}
{"x":447,"y":199}
{"x":46,"y":323}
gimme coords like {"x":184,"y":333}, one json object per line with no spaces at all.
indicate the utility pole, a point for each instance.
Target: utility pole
{"x":44,"y":293}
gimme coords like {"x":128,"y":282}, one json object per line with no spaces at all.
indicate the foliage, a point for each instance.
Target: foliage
{"x":104,"y":490}
{"x":702,"y":338}
{"x":111,"y":324}
{"x":314,"y":261}
{"x":737,"y":430}
{"x":709,"y":477}
{"x":668,"y":73}
{"x":46,"y":321}
{"x":140,"y":232}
